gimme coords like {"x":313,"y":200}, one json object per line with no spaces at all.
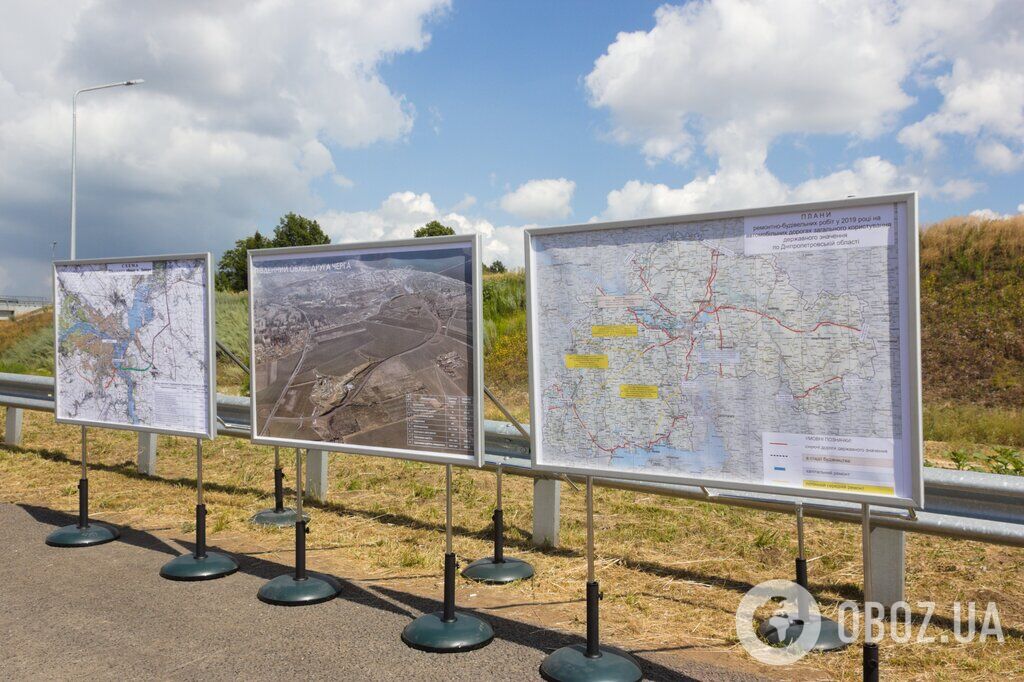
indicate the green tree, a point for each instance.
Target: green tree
{"x":295,"y":230}
{"x":433,"y":229}
{"x":291,"y":230}
{"x":497,"y":267}
{"x":233,"y":267}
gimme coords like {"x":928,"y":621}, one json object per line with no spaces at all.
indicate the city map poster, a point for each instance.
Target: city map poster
{"x":773,"y":350}
{"x":133,"y":342}
{"x":369,"y":348}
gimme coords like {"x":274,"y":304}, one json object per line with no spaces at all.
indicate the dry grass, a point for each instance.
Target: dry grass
{"x":672,"y":571}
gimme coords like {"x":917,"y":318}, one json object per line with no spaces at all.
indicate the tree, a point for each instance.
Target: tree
{"x":291,"y":230}
{"x":433,"y":229}
{"x":233,"y":267}
{"x":497,"y":267}
{"x":294,"y":230}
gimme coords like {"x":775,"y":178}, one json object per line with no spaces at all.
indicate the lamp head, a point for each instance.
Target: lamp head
{"x":136,"y":81}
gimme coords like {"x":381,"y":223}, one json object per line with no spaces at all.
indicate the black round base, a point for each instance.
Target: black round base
{"x":91,"y":535}
{"x":498,"y":573}
{"x":285,"y":590}
{"x":570,"y":663}
{"x":430,"y":633}
{"x":784,"y":629}
{"x":188,"y":568}
{"x":270,"y":517}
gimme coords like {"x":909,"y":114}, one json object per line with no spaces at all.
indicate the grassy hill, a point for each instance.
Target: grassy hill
{"x":972,"y":346}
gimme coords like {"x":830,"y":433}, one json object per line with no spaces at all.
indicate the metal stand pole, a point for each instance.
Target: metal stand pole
{"x":200,"y":564}
{"x":299,"y":588}
{"x":278,"y":482}
{"x":280,"y":516}
{"x":871,"y":660}
{"x":83,"y":533}
{"x":591,"y":661}
{"x":83,"y":487}
{"x":448,"y":631}
{"x":784,"y":630}
{"x":593,"y":590}
{"x":200,"y":551}
{"x":498,"y":570}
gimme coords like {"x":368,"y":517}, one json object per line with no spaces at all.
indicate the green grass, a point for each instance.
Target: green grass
{"x":974,"y":424}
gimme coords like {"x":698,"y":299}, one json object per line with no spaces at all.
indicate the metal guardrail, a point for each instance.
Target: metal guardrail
{"x":25,"y":300}
{"x":962,"y":504}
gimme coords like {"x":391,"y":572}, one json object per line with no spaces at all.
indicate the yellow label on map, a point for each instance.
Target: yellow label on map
{"x":586,"y":361}
{"x":850,"y":487}
{"x":613,"y":330}
{"x":638,"y":391}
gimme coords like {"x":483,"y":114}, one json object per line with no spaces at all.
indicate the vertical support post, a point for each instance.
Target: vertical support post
{"x":547,"y":494}
{"x":499,"y":525}
{"x":803,"y":608}
{"x":593,"y":590}
{"x":146,"y":460}
{"x":316,"y":475}
{"x":12,"y":428}
{"x":888,"y":567}
{"x":278,"y":482}
{"x":200,"y":552}
{"x":449,"y":556}
{"x":300,"y":523}
{"x":83,"y":487}
{"x":871,"y":662}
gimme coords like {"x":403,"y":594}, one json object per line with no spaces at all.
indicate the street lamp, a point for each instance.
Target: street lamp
{"x":74,"y":134}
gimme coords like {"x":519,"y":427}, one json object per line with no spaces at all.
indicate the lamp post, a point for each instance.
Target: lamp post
{"x":74,"y":135}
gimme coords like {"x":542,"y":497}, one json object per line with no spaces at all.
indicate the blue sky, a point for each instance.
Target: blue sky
{"x":376,"y":117}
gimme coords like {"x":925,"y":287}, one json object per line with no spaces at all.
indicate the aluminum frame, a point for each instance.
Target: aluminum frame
{"x":471,"y":240}
{"x":211,"y":352}
{"x":911,"y":281}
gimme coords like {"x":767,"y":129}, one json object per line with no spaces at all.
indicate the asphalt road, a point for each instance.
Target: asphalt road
{"x":104,"y":613}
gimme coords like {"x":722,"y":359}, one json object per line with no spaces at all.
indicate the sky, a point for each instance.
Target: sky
{"x":377,"y":116}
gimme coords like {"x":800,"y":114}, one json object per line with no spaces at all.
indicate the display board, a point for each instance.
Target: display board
{"x":134,"y":344}
{"x":772,"y":349}
{"x":369,"y":348}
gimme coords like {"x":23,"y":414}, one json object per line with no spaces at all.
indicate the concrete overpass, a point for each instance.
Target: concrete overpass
{"x":14,"y":306}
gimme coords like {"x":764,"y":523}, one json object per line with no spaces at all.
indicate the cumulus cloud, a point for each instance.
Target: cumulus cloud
{"x":540,"y":199}
{"x":739,"y":188}
{"x":234,"y":121}
{"x":401,"y":213}
{"x":740,"y":74}
{"x":989,"y":214}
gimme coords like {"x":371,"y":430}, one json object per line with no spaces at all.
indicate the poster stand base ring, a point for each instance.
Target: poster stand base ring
{"x":286,"y":590}
{"x":189,"y":568}
{"x":89,"y":536}
{"x":571,"y":664}
{"x":431,"y":633}
{"x":784,"y":629}
{"x":272,"y":517}
{"x":493,"y":572}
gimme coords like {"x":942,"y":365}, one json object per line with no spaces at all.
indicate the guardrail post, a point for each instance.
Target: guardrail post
{"x":316,"y":474}
{"x":12,"y":429}
{"x":888,"y":566}
{"x":547,"y":499}
{"x":147,"y":453}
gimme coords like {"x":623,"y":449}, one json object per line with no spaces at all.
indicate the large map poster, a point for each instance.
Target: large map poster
{"x":370,"y":349}
{"x":134,"y":344}
{"x":767,"y":350}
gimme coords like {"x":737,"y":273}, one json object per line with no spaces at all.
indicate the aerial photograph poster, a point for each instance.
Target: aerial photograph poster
{"x":368,"y":348}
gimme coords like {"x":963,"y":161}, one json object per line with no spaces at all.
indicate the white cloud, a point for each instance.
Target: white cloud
{"x":732,"y":77}
{"x":757,"y":186}
{"x":466,"y":202}
{"x":233,"y":122}
{"x":401,"y":213}
{"x":343,"y":181}
{"x":740,"y":74}
{"x":998,"y":157}
{"x":989,"y":214}
{"x":540,"y":199}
